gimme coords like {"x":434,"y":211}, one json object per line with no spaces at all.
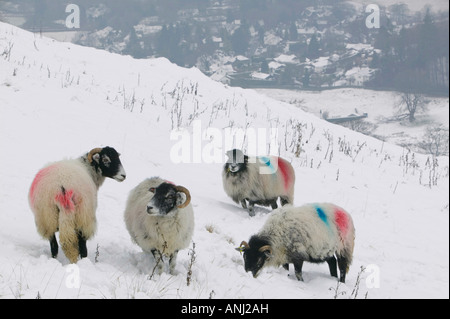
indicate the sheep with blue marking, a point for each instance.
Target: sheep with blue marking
{"x":314,"y":233}
{"x":63,"y":197}
{"x":258,"y":180}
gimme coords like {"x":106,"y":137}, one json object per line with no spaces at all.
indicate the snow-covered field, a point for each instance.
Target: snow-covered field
{"x":59,"y":100}
{"x":382,"y":110}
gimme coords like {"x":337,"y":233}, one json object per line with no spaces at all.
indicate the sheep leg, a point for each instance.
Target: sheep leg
{"x":54,"y":246}
{"x":82,"y":245}
{"x":251,"y":205}
{"x":158,"y":260}
{"x":284,"y":201}
{"x":172,"y":262}
{"x":332,"y":265}
{"x":298,"y":265}
{"x":274,"y":204}
{"x":244,"y":203}
{"x":343,"y":265}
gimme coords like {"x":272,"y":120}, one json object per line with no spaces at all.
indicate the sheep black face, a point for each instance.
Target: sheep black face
{"x":256,"y":254}
{"x":237,"y":162}
{"x":167,"y":197}
{"x":107,"y":161}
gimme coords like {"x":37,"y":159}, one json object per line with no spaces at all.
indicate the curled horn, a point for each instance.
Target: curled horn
{"x":186,"y":192}
{"x":243,"y":246}
{"x":92,"y":152}
{"x":266,"y":248}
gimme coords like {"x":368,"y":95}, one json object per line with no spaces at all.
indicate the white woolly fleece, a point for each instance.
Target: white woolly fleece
{"x":167,"y":234}
{"x":68,"y":211}
{"x":309,"y":230}
{"x":256,"y":186}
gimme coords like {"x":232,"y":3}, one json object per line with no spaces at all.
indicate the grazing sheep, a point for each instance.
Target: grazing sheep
{"x":258,"y":180}
{"x":160,"y":219}
{"x":313,"y":233}
{"x":63,"y":196}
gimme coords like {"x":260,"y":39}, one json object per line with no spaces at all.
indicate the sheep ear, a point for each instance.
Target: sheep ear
{"x":181,"y":189}
{"x":267,"y":250}
{"x":94,"y":153}
{"x":242,"y":247}
{"x":96,"y":157}
{"x":268,"y":254}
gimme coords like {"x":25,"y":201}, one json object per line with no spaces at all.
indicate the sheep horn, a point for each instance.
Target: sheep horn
{"x":266,"y":248}
{"x":92,"y":152}
{"x":186,"y":192}
{"x":243,"y":246}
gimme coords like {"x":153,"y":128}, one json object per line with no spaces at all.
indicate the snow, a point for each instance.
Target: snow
{"x":359,"y":47}
{"x":380,"y":106}
{"x":275,"y":65}
{"x":59,"y":100}
{"x":359,"y":75}
{"x":284,"y":58}
{"x":260,"y":75}
{"x":321,"y":63}
{"x":241,"y":58}
{"x":413,"y":5}
{"x":147,"y":29}
{"x":271,"y":39}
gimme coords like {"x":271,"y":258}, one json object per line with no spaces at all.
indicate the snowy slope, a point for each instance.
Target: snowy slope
{"x":59,"y":100}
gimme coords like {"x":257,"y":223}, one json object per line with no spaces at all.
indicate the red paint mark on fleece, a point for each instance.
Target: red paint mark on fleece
{"x":341,"y":220}
{"x":65,"y":199}
{"x":284,"y":168}
{"x":43,"y":172}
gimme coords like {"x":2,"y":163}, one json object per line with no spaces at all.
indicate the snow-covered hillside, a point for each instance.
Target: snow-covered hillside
{"x":382,"y":109}
{"x":59,"y":100}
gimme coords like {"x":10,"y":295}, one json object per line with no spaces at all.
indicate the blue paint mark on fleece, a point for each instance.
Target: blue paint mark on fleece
{"x":322,"y":214}
{"x":266,"y":160}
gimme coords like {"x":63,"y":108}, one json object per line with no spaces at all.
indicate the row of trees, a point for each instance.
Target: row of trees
{"x":415,"y":59}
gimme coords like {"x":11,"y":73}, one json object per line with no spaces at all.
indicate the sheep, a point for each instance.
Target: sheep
{"x":63,"y":197}
{"x":258,"y":180}
{"x":313,"y":233}
{"x":160,"y":219}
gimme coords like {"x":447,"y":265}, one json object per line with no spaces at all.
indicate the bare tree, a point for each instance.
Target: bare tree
{"x":436,"y":140}
{"x":410,"y":102}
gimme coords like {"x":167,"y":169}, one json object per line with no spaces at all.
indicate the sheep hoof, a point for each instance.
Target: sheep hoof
{"x":299,"y":276}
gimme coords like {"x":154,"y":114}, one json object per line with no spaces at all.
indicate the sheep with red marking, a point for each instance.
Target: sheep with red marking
{"x":258,"y":180}
{"x":314,"y":233}
{"x":63,"y":197}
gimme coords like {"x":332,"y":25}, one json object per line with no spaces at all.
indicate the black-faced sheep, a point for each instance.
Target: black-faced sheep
{"x":314,"y":233}
{"x":258,"y":180}
{"x":160,"y":219}
{"x":63,"y":196}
